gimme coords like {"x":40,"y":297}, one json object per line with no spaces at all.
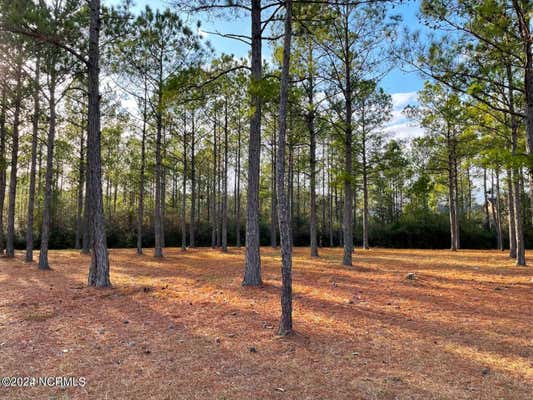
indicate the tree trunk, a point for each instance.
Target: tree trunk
{"x":140,"y":211}
{"x":225,"y":183}
{"x":515,"y":183}
{"x":347,"y":214}
{"x":86,"y":240}
{"x":469,"y":200}
{"x":523,"y":11}
{"x":273,"y":197}
{"x":485,"y":202}
{"x":285,"y":326}
{"x":512,"y":229}
{"x":523,"y":196}
{"x":219,"y":194}
{"x":330,"y":201}
{"x":348,"y":129}
{"x":321,"y":240}
{"x":297,"y":202}
{"x":107,"y":196}
{"x":47,"y":208}
{"x":496,"y":211}
{"x":238,"y":187}
{"x":337,"y":215}
{"x":174,"y":190}
{"x":365,"y":195}
{"x":99,"y":269}
{"x":3,"y":166}
{"x":354,"y":216}
{"x":81,"y":179}
{"x":214,"y":188}
{"x":453,"y":245}
{"x":184,"y":191}
{"x":312,"y":156}
{"x":520,"y":247}
{"x":158,"y":250}
{"x":252,"y":271}
{"x":10,"y":248}
{"x":290,"y":189}
{"x":451,"y":193}
{"x":455,"y":197}
{"x":193,"y":185}
{"x":163,"y":188}
{"x":34,"y":141}
{"x":115,"y":198}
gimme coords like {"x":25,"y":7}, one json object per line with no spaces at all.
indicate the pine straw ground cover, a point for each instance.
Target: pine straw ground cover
{"x":184,"y":328}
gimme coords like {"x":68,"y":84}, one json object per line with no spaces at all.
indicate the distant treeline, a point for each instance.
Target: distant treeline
{"x":424,"y":231}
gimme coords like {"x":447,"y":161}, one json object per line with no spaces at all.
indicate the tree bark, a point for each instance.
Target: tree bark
{"x":99,"y":269}
{"x":219,"y":193}
{"x":184,"y":189}
{"x":469,"y":199}
{"x":496,"y":210}
{"x":285,"y":326}
{"x":290,"y":188}
{"x":50,"y":141}
{"x":214,"y":197}
{"x":348,"y":129}
{"x":87,"y":231}
{"x":238,"y":187}
{"x":347,"y":210}
{"x":456,"y":196}
{"x":313,"y":241}
{"x":3,"y":166}
{"x":34,"y":142}
{"x":163,"y":188}
{"x":451,"y":192}
{"x":225,"y":183}
{"x":81,"y":180}
{"x":297,"y":202}
{"x":515,"y":182}
{"x":192,"y":227}
{"x":322,"y":235}
{"x":520,"y":247}
{"x":140,"y":210}
{"x":524,"y":26}
{"x":273,"y":197}
{"x":158,"y":249}
{"x":330,"y":200}
{"x":512,"y":229}
{"x":365,"y":193}
{"x":10,"y":247}
{"x":252,"y":271}
{"x":485,"y":201}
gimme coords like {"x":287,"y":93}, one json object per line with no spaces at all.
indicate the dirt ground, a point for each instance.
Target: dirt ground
{"x":184,"y":328}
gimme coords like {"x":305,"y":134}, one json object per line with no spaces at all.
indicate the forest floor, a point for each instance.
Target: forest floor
{"x":184,"y":328}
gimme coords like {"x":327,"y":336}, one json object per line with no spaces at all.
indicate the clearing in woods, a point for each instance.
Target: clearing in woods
{"x":184,"y":328}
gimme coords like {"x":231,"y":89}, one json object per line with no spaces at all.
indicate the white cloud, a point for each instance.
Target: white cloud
{"x":397,"y":116}
{"x":406,"y":130}
{"x":400,"y":127}
{"x":402,"y":99}
{"x":130,"y":104}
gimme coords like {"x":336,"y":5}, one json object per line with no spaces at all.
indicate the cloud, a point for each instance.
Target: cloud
{"x":397,"y":116}
{"x":405,"y":130}
{"x":402,"y":99}
{"x":130,"y":104}
{"x":400,"y":127}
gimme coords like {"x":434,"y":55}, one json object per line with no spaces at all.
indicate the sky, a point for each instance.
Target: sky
{"x":400,"y":84}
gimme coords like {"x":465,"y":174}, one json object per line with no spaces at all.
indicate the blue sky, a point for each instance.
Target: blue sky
{"x":400,"y":84}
